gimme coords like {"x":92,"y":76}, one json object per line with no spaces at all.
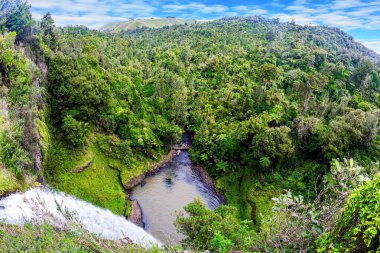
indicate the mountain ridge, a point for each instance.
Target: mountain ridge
{"x":145,"y":23}
{"x":342,"y":38}
{"x":271,"y":108}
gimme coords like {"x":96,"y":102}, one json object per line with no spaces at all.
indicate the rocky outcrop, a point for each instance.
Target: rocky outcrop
{"x":134,"y":182}
{"x":136,"y":213}
{"x":209,"y":181}
{"x":206,"y":178}
{"x":37,"y":155}
{"x":44,"y":69}
{"x":153,"y":168}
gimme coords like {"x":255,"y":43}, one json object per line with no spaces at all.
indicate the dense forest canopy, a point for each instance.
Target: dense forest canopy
{"x":269,"y":105}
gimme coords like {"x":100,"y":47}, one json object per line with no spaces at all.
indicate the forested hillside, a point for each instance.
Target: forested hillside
{"x":145,"y":23}
{"x":270,"y":107}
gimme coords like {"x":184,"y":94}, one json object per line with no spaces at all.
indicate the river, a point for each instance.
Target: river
{"x":162,"y":195}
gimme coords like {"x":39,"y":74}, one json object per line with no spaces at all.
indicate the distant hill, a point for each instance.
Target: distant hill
{"x":149,"y":23}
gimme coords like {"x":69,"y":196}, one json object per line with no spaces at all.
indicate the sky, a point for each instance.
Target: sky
{"x":359,"y":18}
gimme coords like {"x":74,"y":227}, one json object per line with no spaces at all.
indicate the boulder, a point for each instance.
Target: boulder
{"x":136,"y":214}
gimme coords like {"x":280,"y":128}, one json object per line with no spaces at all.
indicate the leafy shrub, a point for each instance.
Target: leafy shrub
{"x":358,"y":228}
{"x":8,"y":182}
{"x":220,"y":244}
{"x":273,"y":142}
{"x":265,"y":162}
{"x":12,"y":154}
{"x":206,"y":229}
{"x":75,"y":131}
{"x":296,"y":224}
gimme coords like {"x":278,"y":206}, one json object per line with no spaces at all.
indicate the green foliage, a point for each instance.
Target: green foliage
{"x":267,"y":73}
{"x":358,"y":228}
{"x":273,"y":142}
{"x":262,"y":118}
{"x":15,"y":142}
{"x":50,"y":36}
{"x":12,"y":154}
{"x":99,"y":183}
{"x":241,"y":104}
{"x":45,"y":238}
{"x":12,"y":62}
{"x":265,"y":162}
{"x":76,"y":89}
{"x":18,"y":19}
{"x":8,"y":183}
{"x":75,"y":132}
{"x":220,"y":244}
{"x":355,"y":129}
{"x":300,"y":225}
{"x":128,"y":208}
{"x":207,"y":229}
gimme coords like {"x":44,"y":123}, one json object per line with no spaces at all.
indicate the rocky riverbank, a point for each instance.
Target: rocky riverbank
{"x":136,"y":213}
{"x":154,"y":168}
{"x":209,"y":181}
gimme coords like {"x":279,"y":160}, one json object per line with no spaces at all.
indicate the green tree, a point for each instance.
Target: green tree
{"x":273,"y":142}
{"x":220,"y":244}
{"x":76,"y":88}
{"x":355,"y":129}
{"x":75,"y":132}
{"x":362,"y":73}
{"x":49,"y":33}
{"x":358,"y":227}
{"x":314,"y":82}
{"x":267,"y":73}
{"x":206,"y":229}
{"x":264,"y":162}
{"x":8,"y":62}
{"x":19,"y":19}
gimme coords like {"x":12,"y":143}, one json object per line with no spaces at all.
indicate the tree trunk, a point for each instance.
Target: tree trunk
{"x":4,"y":75}
{"x":306,"y":103}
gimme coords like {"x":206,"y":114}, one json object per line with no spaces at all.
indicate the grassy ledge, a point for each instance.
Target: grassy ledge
{"x":100,"y":183}
{"x":8,"y":183}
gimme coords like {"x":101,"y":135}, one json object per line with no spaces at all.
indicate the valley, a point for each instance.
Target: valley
{"x":264,"y":134}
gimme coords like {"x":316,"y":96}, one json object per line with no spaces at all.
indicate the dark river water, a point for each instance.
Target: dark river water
{"x":167,"y":192}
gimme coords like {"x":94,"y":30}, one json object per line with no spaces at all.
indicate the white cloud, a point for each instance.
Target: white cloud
{"x":345,"y":14}
{"x":200,"y":7}
{"x":250,"y":10}
{"x":91,"y":13}
{"x":363,"y":12}
{"x":344,"y":4}
{"x":373,"y":44}
{"x":338,"y":19}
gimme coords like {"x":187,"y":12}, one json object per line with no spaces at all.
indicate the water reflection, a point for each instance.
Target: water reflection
{"x":169,"y":191}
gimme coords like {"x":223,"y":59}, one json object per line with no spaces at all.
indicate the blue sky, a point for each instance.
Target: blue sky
{"x":360,"y":18}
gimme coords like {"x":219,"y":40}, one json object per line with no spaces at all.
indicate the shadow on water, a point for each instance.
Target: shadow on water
{"x":167,"y":192}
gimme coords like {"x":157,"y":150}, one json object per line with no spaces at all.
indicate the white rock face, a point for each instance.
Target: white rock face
{"x":41,"y":204}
